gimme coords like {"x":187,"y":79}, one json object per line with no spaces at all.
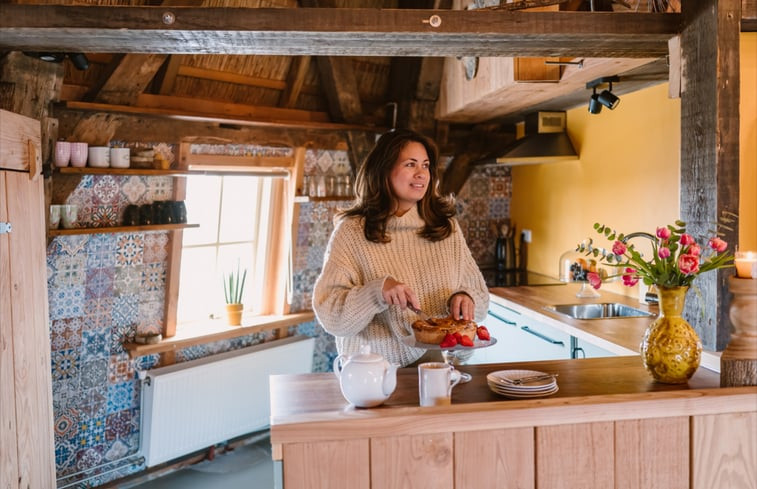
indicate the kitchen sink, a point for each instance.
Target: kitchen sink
{"x":603,"y":310}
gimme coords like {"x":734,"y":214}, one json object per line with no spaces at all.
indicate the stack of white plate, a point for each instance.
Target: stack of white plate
{"x":504,"y":382}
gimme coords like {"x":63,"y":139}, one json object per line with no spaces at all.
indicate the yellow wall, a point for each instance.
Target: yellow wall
{"x":628,"y":178}
{"x":748,"y":143}
{"x":629,"y":173}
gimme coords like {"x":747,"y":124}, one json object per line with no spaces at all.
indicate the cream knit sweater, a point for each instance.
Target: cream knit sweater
{"x":347,"y":298}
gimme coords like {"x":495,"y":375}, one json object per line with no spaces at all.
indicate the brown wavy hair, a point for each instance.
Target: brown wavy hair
{"x":376,"y":201}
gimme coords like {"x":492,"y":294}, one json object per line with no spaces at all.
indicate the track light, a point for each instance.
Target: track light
{"x":606,"y":97}
{"x":594,"y":106}
{"x":79,"y":60}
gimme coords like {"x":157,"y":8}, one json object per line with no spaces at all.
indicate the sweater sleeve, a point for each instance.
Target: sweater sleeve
{"x":471,"y":280}
{"x":343,"y":304}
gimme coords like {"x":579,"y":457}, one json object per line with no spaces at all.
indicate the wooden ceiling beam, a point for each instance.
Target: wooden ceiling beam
{"x":335,"y":31}
{"x":298,"y":70}
{"x":129,"y":79}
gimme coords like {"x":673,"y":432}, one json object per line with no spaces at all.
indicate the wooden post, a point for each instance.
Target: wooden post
{"x":710,"y":146}
{"x":738,"y":364}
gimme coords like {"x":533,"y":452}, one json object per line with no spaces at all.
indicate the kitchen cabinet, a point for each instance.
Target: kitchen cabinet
{"x":522,"y":338}
{"x":26,"y":412}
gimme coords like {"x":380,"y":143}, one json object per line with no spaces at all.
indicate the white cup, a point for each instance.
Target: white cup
{"x":62,"y":153}
{"x":68,"y":215}
{"x":79,"y":154}
{"x":119,"y":157}
{"x":99,"y":157}
{"x":54,"y":221}
{"x":435,"y":383}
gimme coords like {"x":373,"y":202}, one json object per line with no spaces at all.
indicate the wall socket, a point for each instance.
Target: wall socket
{"x":526,"y":235}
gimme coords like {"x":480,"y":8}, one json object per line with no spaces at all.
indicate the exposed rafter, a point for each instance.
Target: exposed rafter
{"x":337,"y":32}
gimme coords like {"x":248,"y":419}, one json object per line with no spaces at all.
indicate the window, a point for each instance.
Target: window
{"x":234,"y":213}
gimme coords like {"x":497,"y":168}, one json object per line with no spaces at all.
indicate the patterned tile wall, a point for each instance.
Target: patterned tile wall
{"x":103,"y":288}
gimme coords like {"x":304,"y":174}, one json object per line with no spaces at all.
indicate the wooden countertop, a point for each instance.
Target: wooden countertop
{"x":621,"y":336}
{"x":310,"y":407}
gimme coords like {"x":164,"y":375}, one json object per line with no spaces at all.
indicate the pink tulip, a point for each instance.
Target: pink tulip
{"x":688,"y":264}
{"x":619,"y":248}
{"x":694,"y":250}
{"x":718,"y":244}
{"x":687,"y":239}
{"x":629,"y":279}
{"x":594,"y":279}
{"x":663,"y":253}
{"x":663,"y":232}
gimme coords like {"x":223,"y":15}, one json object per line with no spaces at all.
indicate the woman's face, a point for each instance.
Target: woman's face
{"x":410,"y":176}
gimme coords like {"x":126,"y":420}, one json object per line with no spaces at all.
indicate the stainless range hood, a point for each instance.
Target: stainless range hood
{"x":545,"y":141}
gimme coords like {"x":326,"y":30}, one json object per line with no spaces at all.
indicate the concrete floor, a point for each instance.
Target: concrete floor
{"x":246,"y":467}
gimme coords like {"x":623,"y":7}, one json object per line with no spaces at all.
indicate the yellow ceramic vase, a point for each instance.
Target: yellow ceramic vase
{"x":671,"y":348}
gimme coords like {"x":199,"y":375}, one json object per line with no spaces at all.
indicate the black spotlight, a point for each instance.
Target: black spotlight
{"x":80,"y":61}
{"x":608,"y":99}
{"x":594,"y":106}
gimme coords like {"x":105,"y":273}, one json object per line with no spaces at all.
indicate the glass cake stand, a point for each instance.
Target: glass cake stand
{"x":451,"y":354}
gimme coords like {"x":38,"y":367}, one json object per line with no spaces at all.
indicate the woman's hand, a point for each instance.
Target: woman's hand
{"x":398,"y":294}
{"x":461,"y":306}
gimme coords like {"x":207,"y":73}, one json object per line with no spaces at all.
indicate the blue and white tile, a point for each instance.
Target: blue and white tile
{"x":95,"y":344}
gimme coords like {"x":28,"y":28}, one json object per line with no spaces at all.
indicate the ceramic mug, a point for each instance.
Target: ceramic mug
{"x":68,"y":215}
{"x":54,"y":220}
{"x":435,"y":383}
{"x":99,"y":157}
{"x":62,"y":153}
{"x":79,"y":154}
{"x":119,"y":157}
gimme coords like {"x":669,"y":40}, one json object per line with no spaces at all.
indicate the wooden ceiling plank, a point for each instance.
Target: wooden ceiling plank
{"x":217,"y":108}
{"x":336,"y":31}
{"x":129,"y":79}
{"x":295,"y":80}
{"x":178,"y":114}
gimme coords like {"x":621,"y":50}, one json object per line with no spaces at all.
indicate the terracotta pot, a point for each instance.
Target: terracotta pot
{"x":671,"y":349}
{"x":234,"y":314}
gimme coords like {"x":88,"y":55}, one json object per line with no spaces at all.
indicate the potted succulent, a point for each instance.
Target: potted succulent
{"x":233,"y":288}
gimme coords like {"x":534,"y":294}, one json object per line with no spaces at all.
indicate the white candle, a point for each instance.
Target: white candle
{"x":746,"y":264}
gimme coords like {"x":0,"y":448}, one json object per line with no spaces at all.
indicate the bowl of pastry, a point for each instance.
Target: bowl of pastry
{"x":435,"y":333}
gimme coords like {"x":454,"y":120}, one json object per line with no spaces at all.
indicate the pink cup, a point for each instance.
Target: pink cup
{"x":79,"y":154}
{"x":62,"y":153}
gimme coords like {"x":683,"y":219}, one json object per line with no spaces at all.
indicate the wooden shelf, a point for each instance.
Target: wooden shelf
{"x":306,"y":198}
{"x":120,"y":229}
{"x":86,"y":170}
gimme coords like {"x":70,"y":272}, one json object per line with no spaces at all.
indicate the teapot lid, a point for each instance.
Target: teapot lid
{"x":365,"y":356}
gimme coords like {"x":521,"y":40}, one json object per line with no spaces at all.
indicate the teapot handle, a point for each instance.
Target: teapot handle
{"x":338,"y":365}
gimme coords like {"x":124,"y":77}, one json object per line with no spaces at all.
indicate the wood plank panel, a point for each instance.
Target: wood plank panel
{"x":652,"y":453}
{"x":16,"y":131}
{"x":321,"y":465}
{"x":724,"y":451}
{"x":578,"y":455}
{"x":8,"y":450}
{"x":412,"y":462}
{"x":335,"y":31}
{"x":495,"y":459}
{"x":31,"y":343}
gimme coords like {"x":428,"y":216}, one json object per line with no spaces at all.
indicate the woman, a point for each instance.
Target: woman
{"x":397,"y":246}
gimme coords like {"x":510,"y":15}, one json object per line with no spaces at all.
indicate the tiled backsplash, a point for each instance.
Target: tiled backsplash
{"x":103,"y":288}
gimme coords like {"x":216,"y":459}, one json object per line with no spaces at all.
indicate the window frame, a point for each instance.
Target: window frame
{"x":282,"y":227}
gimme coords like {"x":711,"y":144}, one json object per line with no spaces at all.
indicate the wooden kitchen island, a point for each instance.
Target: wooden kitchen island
{"x":609,"y":426}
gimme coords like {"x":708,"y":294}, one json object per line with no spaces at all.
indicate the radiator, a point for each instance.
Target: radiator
{"x":192,"y":405}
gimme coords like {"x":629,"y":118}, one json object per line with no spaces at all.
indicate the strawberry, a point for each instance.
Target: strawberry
{"x":449,"y":341}
{"x":483,"y":333}
{"x":458,"y":336}
{"x":466,"y":341}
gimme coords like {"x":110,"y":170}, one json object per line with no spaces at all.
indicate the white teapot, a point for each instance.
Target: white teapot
{"x":366,"y":379}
